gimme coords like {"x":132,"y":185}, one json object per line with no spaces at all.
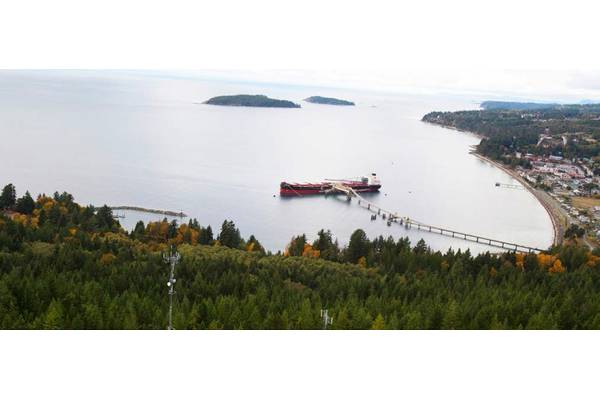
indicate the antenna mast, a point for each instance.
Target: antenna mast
{"x":171,"y":258}
{"x":327,"y":320}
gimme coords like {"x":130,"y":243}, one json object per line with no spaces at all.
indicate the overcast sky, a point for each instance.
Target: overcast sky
{"x":511,"y":48}
{"x":530,"y":85}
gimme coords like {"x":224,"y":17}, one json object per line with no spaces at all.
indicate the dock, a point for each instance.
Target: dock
{"x":509,"y":186}
{"x":408,"y":223}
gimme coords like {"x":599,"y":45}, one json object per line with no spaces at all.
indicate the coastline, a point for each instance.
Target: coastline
{"x":557,"y":216}
{"x":477,"y":135}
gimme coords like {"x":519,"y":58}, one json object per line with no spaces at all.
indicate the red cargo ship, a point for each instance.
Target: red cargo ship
{"x":360,"y":185}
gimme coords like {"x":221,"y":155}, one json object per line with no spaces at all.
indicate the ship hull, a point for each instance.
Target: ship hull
{"x":291,"y":190}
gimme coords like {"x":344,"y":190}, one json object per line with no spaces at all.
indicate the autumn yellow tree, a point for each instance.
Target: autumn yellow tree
{"x":310,"y":252}
{"x":592,"y":260}
{"x":362,"y":262}
{"x":107,"y":258}
{"x":520,"y":261}
{"x":557,"y":267}
{"x":545,"y":261}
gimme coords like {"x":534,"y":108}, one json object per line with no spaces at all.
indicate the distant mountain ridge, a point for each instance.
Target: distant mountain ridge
{"x":514,"y":105}
{"x":249,"y":100}
{"x":531,"y":106}
{"x":328,"y":100}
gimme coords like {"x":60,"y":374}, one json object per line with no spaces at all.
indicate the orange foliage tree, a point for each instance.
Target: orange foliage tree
{"x":557,"y":268}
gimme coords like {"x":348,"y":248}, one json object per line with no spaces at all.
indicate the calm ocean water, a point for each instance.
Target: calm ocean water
{"x":125,"y":138}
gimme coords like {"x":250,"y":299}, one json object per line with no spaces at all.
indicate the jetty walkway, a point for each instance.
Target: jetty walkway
{"x":408,"y":223}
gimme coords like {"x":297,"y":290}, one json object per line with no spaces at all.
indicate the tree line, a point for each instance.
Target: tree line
{"x":67,"y":266}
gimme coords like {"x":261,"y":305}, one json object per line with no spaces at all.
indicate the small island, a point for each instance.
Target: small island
{"x":248,"y":100}
{"x":328,"y":100}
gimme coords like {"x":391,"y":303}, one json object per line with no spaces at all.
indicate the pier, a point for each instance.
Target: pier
{"x":509,"y":186}
{"x":408,"y":223}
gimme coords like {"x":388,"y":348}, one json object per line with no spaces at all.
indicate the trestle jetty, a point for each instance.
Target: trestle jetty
{"x":409,"y":223}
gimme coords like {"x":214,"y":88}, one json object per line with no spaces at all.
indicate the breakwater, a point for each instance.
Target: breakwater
{"x":151,"y":211}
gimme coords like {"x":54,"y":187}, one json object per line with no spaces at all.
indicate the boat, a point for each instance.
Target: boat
{"x":363,"y":184}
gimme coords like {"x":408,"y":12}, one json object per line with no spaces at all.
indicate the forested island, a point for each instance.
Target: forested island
{"x":248,"y":100}
{"x":328,"y":100}
{"x":67,"y":266}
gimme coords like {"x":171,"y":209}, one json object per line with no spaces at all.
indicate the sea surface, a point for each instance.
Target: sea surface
{"x":145,"y":139}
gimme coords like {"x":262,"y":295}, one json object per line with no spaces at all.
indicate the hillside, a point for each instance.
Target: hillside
{"x":508,"y":130}
{"x":64,"y":266}
{"x":247,"y":100}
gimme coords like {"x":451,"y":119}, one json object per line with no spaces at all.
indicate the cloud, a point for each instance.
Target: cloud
{"x":586,"y":80}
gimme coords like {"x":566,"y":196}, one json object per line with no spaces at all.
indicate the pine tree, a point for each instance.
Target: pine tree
{"x":25,"y":204}
{"x":413,"y":320}
{"x":342,"y":321}
{"x":296,"y":246}
{"x":104,"y":218}
{"x":8,"y":196}
{"x":230,"y":235}
{"x":139,"y":231}
{"x":53,"y":319}
{"x":327,"y":248}
{"x":42,"y":217}
{"x":205,"y":236}
{"x":451,"y":317}
{"x":378,"y":323}
{"x":305,"y":316}
{"x":358,"y":246}
{"x":172,"y":231}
